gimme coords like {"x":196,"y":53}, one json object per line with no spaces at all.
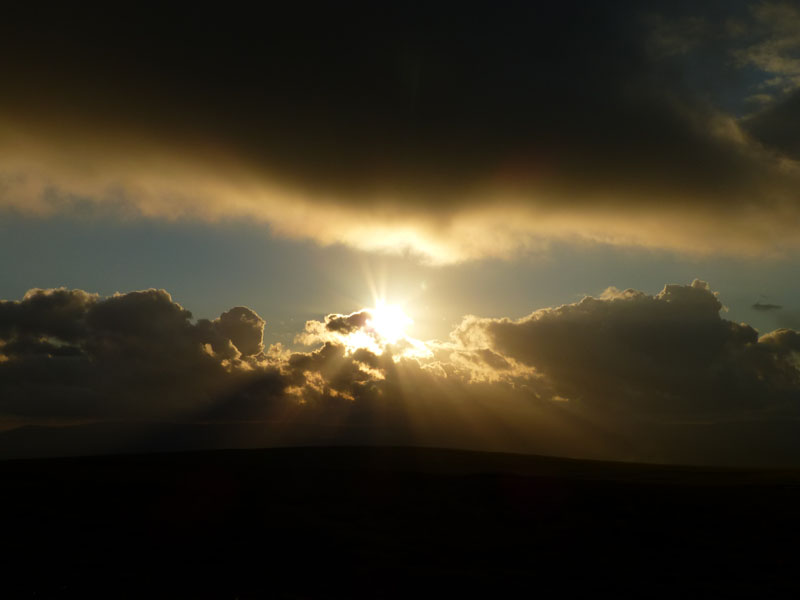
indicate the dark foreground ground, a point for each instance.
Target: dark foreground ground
{"x":391,"y":522}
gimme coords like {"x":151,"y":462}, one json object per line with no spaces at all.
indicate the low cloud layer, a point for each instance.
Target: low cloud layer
{"x":623,"y":375}
{"x":665,"y":355}
{"x":72,"y":355}
{"x":453,"y":134}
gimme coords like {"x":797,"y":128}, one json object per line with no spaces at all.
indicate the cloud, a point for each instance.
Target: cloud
{"x":770,"y":43}
{"x":347,"y":324}
{"x":128,"y":355}
{"x":766,"y":306}
{"x":631,"y":353}
{"x":778,"y":125}
{"x":623,"y":375}
{"x":776,"y":29}
{"x":57,"y":312}
{"x":244,"y":328}
{"x":487,"y":135}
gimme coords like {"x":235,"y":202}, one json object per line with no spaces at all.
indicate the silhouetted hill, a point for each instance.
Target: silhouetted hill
{"x":390,"y":522}
{"x":762,"y":444}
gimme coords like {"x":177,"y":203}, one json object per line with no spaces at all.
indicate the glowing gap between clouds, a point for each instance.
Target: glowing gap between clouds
{"x":386,"y":327}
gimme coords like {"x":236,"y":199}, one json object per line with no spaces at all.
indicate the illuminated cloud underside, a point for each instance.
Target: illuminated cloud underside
{"x":45,"y":175}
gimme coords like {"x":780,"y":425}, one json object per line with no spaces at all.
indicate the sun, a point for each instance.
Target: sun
{"x":388,"y":322}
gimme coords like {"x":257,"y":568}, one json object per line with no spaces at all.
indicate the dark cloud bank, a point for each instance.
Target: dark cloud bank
{"x":507,"y":125}
{"x":625,"y":375}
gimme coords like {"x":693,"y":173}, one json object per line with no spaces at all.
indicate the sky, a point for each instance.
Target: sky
{"x":586,"y":213}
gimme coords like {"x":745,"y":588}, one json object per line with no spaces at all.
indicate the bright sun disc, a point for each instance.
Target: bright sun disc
{"x":389,"y":322}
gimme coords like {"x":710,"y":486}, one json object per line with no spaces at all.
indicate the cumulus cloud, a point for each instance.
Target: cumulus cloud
{"x":632,"y":353}
{"x":67,"y":353}
{"x":244,"y":328}
{"x":57,"y":312}
{"x":487,"y":135}
{"x":598,"y":377}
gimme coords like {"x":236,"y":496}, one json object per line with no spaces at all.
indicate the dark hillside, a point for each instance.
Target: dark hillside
{"x":390,"y":522}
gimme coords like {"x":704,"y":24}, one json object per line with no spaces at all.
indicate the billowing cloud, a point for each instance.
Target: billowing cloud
{"x":601,"y":377}
{"x":69,"y":354}
{"x":488,"y":134}
{"x":58,"y":312}
{"x":244,"y":328}
{"x":631,"y":353}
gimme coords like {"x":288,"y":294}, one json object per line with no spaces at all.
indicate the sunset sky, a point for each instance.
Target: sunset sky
{"x":583,"y":215}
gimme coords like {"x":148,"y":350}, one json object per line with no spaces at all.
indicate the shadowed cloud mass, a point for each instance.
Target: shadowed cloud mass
{"x":485,"y":131}
{"x":622,"y":375}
